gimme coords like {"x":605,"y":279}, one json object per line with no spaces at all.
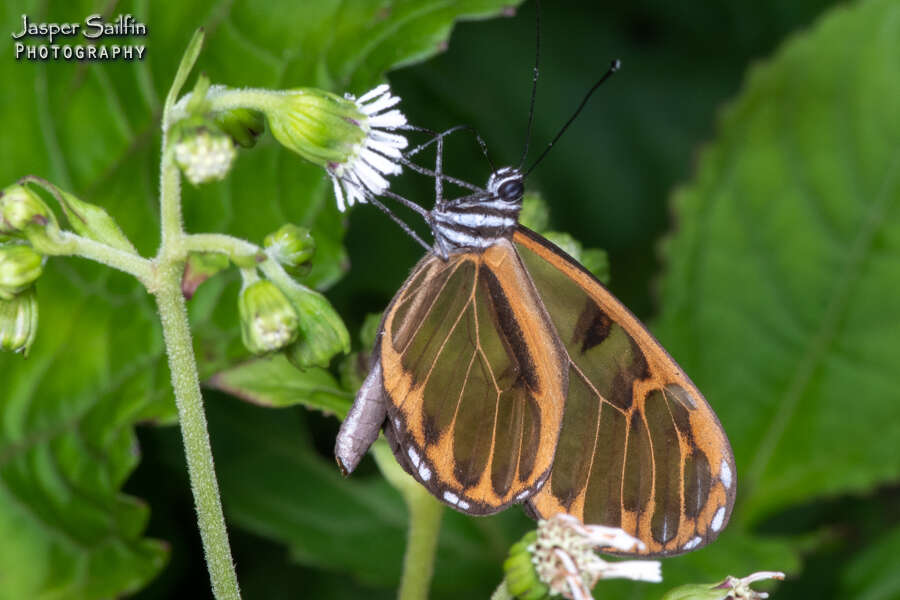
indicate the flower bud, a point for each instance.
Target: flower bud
{"x":204,"y":155}
{"x":592,"y":259}
{"x":18,"y":322}
{"x":91,"y":221}
{"x":199,"y":267}
{"x":322,"y":127}
{"x":292,"y":247}
{"x":242,"y":124}
{"x":369,"y":330}
{"x":322,"y":332}
{"x":522,"y":580}
{"x":268,"y":321}
{"x":20,"y":266}
{"x":21,"y":207}
{"x":350,"y":137}
{"x":534,"y":214}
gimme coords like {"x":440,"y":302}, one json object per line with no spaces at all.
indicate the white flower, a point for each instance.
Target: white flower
{"x":564,"y":558}
{"x":366,"y":168}
{"x":205,"y":156}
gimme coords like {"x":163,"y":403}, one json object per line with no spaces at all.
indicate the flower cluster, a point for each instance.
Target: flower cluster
{"x":559,"y":559}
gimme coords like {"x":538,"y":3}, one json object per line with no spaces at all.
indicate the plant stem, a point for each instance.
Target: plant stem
{"x":421,"y":544}
{"x":197,"y":450}
{"x":183,"y":366}
{"x":424,"y":526}
{"x":66,"y":243}
{"x":240,"y":252}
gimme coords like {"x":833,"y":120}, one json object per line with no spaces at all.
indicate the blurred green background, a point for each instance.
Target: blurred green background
{"x":778,"y":292}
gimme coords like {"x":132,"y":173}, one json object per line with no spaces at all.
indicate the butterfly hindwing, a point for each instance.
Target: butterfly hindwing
{"x":639,"y":448}
{"x":475,"y":379}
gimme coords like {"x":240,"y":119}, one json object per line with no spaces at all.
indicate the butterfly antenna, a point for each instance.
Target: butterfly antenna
{"x":437,"y":136}
{"x":534,"y":81}
{"x":612,"y":69}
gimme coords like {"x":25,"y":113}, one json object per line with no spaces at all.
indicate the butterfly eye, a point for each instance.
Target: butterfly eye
{"x":512,"y":190}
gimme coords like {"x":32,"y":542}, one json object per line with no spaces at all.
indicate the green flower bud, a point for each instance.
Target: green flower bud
{"x":292,"y":247}
{"x":204,"y":155}
{"x":534,"y":214}
{"x":566,"y":243}
{"x":242,"y":124}
{"x":91,"y":221}
{"x":268,"y":321}
{"x":322,"y":332}
{"x":322,"y":127}
{"x":199,"y":267}
{"x":592,"y":259}
{"x":349,"y":137}
{"x":18,"y":322}
{"x":732,"y":588}
{"x":369,"y":330}
{"x":20,"y":207}
{"x":20,"y":266}
{"x":522,"y":580}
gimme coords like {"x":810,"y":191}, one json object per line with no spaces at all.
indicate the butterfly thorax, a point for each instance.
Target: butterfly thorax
{"x":479,"y":220}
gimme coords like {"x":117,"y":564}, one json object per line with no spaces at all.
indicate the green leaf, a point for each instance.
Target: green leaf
{"x":274,"y":382}
{"x":783,"y":260}
{"x":66,"y":441}
{"x":873,"y":574}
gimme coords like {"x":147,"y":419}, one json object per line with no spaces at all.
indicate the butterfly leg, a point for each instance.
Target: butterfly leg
{"x":362,"y":425}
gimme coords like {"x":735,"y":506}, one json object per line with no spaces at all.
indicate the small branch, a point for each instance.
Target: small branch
{"x":66,"y":243}
{"x":240,"y":252}
{"x":424,"y":526}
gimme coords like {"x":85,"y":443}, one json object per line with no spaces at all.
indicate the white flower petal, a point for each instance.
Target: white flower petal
{"x":601,"y":535}
{"x":376,"y":91}
{"x":383,"y":103}
{"x":389,"y":120}
{"x":383,"y":138}
{"x":370,"y":178}
{"x":338,"y":194}
{"x":380,"y":163}
{"x":637,"y":570}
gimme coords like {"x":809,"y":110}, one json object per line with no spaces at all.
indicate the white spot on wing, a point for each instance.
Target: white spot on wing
{"x":692,"y":543}
{"x":523,"y":495}
{"x":451,"y":497}
{"x":718,"y":519}
{"x":413,"y":456}
{"x":464,"y":505}
{"x":424,"y":472}
{"x":725,"y":474}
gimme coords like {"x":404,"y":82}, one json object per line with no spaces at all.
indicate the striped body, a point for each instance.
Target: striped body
{"x":480,"y":220}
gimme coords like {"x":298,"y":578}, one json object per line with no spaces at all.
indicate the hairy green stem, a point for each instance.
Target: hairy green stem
{"x":183,"y":365}
{"x":424,"y":526}
{"x":241,"y":252}
{"x":186,"y":384}
{"x":66,"y":243}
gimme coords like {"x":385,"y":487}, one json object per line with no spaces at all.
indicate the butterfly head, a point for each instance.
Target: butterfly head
{"x":506,"y":184}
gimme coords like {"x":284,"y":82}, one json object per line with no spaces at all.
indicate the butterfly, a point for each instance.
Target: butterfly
{"x":503,"y":372}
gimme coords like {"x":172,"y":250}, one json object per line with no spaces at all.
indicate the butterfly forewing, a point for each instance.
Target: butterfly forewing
{"x":475,"y":379}
{"x":639,"y":448}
